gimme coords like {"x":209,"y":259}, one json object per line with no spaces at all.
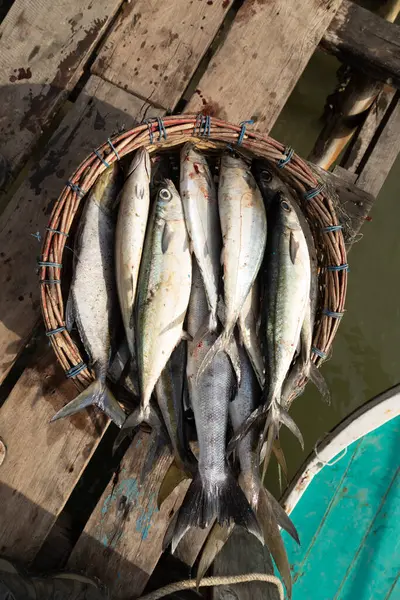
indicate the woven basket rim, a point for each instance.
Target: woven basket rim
{"x":208,"y":133}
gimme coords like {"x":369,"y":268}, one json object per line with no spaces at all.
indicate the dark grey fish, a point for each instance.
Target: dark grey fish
{"x":214,"y":492}
{"x":93,"y":301}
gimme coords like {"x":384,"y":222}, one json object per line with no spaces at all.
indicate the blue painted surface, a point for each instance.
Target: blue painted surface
{"x":348,"y":520}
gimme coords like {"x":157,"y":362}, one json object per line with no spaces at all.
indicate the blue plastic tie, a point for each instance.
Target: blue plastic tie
{"x":57,"y":231}
{"x":75,"y":188}
{"x":50,"y":281}
{"x":206,"y":126}
{"x":338,"y":267}
{"x":74,"y":371}
{"x":161,"y":129}
{"x":314,"y":192}
{"x":288,"y":157}
{"x":333,"y":228}
{"x":54,"y":331}
{"x":334,"y":315}
{"x":97,"y":153}
{"x":243,"y":124}
{"x":318,"y":352}
{"x":113,"y":148}
{"x":46,"y":263}
{"x":37,"y":236}
{"x":149,"y":124}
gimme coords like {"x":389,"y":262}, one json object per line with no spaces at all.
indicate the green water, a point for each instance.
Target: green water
{"x":365,"y":358}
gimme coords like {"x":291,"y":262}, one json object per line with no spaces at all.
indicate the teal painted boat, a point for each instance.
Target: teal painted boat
{"x":345,"y":503}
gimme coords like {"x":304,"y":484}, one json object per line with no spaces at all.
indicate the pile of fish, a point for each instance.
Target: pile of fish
{"x":213,"y":280}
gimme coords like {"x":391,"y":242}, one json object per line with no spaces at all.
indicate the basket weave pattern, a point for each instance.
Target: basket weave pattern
{"x":171,"y":132}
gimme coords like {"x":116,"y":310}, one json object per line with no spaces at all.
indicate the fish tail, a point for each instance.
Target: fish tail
{"x":254,"y":418}
{"x":223,"y":501}
{"x":97,"y":394}
{"x":216,"y":540}
{"x":269,"y":518}
{"x":158,"y":439}
{"x":220,"y":344}
{"x":318,"y":380}
{"x":213,"y":321}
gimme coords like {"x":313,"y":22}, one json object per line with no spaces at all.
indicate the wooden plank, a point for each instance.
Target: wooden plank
{"x":243,"y":553}
{"x":44,"y":460}
{"x":44,"y":45}
{"x":155,"y":46}
{"x":364,"y":40}
{"x":356,"y":151}
{"x":264,"y":54}
{"x":377,"y":166}
{"x":122,"y":541}
{"x":100,"y":110}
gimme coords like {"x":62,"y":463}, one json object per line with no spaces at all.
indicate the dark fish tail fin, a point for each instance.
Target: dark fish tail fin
{"x":220,"y":344}
{"x":159,"y":438}
{"x":318,"y":380}
{"x":253,"y":419}
{"x":273,"y":539}
{"x":224,"y":501}
{"x":97,"y":394}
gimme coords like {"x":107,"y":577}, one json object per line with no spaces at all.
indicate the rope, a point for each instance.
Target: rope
{"x":189,"y":584}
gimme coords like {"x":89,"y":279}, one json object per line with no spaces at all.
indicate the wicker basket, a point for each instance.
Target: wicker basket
{"x":173,"y":131}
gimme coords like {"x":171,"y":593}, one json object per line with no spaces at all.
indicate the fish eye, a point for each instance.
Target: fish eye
{"x":165,"y":195}
{"x":267,"y":175}
{"x":285,"y":206}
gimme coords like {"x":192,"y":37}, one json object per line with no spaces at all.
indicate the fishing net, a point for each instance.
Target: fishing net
{"x":315,"y":198}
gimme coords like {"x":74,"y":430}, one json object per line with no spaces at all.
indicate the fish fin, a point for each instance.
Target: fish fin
{"x":293,"y":248}
{"x":286,"y":420}
{"x":281,"y":516}
{"x":273,"y":539}
{"x":280,"y":457}
{"x":172,"y":478}
{"x":212,"y":321}
{"x":318,"y":380}
{"x":135,"y":419}
{"x":232,"y":351}
{"x":219,"y":345}
{"x":254,"y":418}
{"x":97,"y":394}
{"x":226,"y":502}
{"x":167,"y":236}
{"x":70,"y":312}
{"x":216,"y":540}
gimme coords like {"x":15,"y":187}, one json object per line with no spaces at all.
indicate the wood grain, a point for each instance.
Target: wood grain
{"x":44,"y":460}
{"x":263,"y":56}
{"x":123,"y":538}
{"x":243,"y":553}
{"x":377,"y":166}
{"x":44,"y":45}
{"x":155,"y":46}
{"x":100,"y":110}
{"x":366,"y":41}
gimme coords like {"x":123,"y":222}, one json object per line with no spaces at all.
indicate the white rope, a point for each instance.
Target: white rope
{"x":210,"y":581}
{"x":331,"y":462}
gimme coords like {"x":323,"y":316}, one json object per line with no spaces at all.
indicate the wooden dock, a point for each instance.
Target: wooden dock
{"x":72,"y":74}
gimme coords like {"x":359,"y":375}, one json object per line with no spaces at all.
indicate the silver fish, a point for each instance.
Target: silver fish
{"x":199,"y":198}
{"x":131,"y":228}
{"x":214,"y":492}
{"x":247,"y":324}
{"x":269,"y":512}
{"x":244,"y":232}
{"x":93,"y":301}
{"x":272,"y":184}
{"x":162,"y":297}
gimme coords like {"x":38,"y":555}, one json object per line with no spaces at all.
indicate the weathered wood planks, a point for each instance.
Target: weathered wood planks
{"x":155,"y":46}
{"x":263,"y":56}
{"x":364,"y":40}
{"x":122,"y":540}
{"x":44,"y":45}
{"x":44,"y":460}
{"x":100,"y":110}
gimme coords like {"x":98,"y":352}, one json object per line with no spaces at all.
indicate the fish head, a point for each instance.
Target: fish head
{"x":288,"y":211}
{"x":106,"y":187}
{"x":141,"y":159}
{"x":169,"y":201}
